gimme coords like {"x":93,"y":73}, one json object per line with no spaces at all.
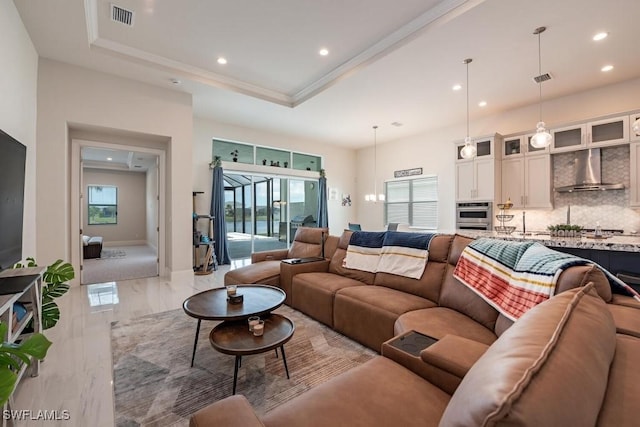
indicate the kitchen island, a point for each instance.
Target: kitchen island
{"x":620,"y":254}
{"x":616,"y":242}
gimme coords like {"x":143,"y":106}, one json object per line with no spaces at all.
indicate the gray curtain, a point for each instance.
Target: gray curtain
{"x":323,"y":218}
{"x":217,"y":211}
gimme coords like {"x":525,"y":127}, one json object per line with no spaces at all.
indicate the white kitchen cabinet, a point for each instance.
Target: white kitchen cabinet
{"x":537,"y":182}
{"x":597,"y":133}
{"x":607,"y":132}
{"x":527,"y":181}
{"x":569,"y":138}
{"x":633,"y":136}
{"x":479,"y":178}
{"x":634,"y":186}
{"x":485,"y":148}
{"x":513,"y":147}
{"x":465,"y":180}
{"x":518,"y":146}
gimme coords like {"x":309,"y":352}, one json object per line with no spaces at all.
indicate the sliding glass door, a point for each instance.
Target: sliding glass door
{"x":263,"y":212}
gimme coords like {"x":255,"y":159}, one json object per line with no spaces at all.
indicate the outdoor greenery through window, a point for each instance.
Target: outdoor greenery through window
{"x":413,"y":202}
{"x":103,"y":204}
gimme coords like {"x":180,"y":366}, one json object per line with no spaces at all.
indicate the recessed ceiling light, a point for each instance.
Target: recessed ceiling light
{"x":324,"y":52}
{"x":109,"y":158}
{"x":175,"y":81}
{"x":606,"y":68}
{"x":482,"y":103}
{"x":396,"y":124}
{"x":456,"y":87}
{"x":222,"y":60}
{"x":600,"y":36}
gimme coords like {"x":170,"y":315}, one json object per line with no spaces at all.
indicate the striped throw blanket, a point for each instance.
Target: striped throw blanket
{"x":363,"y":252}
{"x":404,"y":254}
{"x":515,"y":276}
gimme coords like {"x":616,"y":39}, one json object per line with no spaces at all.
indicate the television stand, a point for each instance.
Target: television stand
{"x":22,"y":285}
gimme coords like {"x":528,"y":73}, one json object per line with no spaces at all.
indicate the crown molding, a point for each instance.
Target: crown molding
{"x":438,"y":15}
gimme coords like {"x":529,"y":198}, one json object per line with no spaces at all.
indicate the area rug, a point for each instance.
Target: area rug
{"x":154,"y":385}
{"x":112,"y":253}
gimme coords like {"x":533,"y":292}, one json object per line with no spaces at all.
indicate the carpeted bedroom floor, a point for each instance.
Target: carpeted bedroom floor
{"x":121,"y":263}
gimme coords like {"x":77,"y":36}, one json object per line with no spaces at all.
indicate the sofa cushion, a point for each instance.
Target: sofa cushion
{"x":428,"y":286}
{"x":549,"y":369}
{"x":379,"y":392}
{"x":455,"y":295}
{"x":440,"y":321}
{"x":337,"y":262}
{"x":265,"y":272}
{"x":313,"y":294}
{"x":620,"y":403}
{"x":626,"y":319}
{"x":367,"y":313}
{"x":457,"y":246}
{"x":580,"y":275}
{"x":308,"y":242}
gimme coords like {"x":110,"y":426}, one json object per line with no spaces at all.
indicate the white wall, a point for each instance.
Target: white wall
{"x":70,"y":96}
{"x":131,"y":227}
{"x":18,"y":102}
{"x":434,"y":151}
{"x":339,"y":164}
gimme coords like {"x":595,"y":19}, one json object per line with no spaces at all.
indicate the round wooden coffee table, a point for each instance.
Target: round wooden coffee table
{"x":234,"y":338}
{"x":213,"y":305}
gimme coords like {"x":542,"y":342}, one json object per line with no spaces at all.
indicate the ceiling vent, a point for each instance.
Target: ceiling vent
{"x":542,"y":78}
{"x":122,"y":15}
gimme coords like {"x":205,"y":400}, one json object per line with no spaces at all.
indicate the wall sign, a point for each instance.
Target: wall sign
{"x":407,"y":172}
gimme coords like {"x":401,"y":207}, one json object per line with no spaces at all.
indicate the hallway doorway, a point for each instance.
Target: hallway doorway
{"x":117,"y":199}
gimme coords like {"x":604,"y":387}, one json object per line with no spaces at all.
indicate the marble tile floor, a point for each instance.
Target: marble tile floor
{"x":76,"y":376}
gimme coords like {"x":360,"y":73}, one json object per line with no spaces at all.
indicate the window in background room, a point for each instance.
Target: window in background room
{"x":413,"y":202}
{"x":103,"y":204}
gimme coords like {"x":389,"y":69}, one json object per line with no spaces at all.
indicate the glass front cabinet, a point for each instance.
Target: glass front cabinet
{"x":613,"y":131}
{"x":517,"y":146}
{"x":598,"y":133}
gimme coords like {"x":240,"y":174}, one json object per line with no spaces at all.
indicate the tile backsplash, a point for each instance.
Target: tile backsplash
{"x":610,"y":208}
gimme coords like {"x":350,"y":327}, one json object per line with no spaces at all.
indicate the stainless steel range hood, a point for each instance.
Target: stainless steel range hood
{"x":588,"y":173}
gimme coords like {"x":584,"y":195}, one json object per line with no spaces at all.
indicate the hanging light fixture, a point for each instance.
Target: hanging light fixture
{"x":375,"y":197}
{"x":635,"y":127}
{"x":541,"y":138}
{"x":469,"y":150}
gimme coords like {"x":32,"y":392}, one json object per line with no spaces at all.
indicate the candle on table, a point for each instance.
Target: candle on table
{"x":258,"y":328}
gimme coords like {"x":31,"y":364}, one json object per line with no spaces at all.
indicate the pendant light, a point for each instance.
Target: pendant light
{"x":469,"y":150}
{"x":375,"y":197}
{"x":541,"y":138}
{"x":635,"y":127}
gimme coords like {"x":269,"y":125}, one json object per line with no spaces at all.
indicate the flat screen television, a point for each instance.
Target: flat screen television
{"x":12,"y":174}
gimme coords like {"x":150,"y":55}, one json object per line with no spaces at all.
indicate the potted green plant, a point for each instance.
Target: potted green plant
{"x":13,"y":357}
{"x":54,"y":278}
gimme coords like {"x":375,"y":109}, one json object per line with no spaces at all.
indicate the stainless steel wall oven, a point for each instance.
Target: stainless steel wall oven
{"x":474,"y":216}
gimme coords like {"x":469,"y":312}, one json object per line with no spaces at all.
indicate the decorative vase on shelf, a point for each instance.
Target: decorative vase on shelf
{"x":264,"y":162}
{"x":286,"y":164}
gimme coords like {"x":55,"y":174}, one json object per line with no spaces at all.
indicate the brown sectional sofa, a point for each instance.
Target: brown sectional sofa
{"x":403,"y":389}
{"x":372,"y":308}
{"x":561,"y":364}
{"x":265,"y":266}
